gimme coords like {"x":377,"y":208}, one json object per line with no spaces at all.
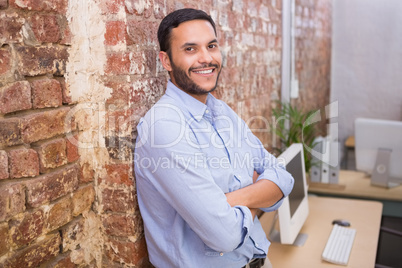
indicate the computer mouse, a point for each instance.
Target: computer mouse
{"x":341,"y":222}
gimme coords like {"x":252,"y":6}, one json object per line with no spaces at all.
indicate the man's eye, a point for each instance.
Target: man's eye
{"x":189,"y":49}
{"x":211,"y":46}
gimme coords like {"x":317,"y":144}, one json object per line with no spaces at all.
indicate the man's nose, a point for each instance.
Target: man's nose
{"x":205,"y":56}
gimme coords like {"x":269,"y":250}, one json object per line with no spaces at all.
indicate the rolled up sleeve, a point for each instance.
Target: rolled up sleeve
{"x":270,"y":169}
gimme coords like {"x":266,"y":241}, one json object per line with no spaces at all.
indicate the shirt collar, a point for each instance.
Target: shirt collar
{"x":195,"y":107}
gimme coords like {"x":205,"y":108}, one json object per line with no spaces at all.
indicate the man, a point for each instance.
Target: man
{"x":195,"y":160}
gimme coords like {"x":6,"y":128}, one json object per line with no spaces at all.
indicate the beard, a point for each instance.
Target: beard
{"x":184,"y":82}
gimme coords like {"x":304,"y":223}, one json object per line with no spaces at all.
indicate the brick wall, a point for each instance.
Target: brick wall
{"x":313,"y":31}
{"x":75,"y":77}
{"x":42,"y":195}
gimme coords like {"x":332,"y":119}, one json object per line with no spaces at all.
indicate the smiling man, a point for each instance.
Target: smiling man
{"x":201,"y":174}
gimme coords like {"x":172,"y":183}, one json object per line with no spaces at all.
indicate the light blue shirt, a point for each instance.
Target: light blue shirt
{"x":187,"y":156}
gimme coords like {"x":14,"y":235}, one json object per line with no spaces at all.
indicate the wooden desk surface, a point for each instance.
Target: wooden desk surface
{"x":357,"y":184}
{"x":364,"y":216}
{"x":350,"y":142}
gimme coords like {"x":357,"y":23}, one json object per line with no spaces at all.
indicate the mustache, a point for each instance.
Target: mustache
{"x":204,"y":66}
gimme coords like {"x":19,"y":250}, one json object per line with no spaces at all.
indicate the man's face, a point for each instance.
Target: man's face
{"x":196,"y":61}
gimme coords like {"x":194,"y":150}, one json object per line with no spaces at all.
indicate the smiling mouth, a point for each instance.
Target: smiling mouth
{"x":209,"y":71}
{"x":205,"y":70}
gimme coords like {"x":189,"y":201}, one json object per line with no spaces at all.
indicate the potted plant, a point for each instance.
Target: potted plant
{"x":292,"y":125}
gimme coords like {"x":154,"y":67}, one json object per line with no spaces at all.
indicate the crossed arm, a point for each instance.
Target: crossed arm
{"x":262,"y":193}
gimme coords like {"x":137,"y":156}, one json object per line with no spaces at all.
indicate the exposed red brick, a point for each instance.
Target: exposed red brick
{"x":72,"y":149}
{"x":35,"y":254}
{"x":119,"y":121}
{"x":3,"y":165}
{"x":126,"y":63}
{"x":111,"y":6}
{"x":51,"y":186}
{"x":120,"y":91}
{"x":116,"y":32}
{"x":23,"y":163}
{"x":146,"y":91}
{"x":131,"y":253}
{"x":142,"y":33}
{"x":118,"y":200}
{"x":120,"y":148}
{"x":59,"y":6}
{"x":83,"y":199}
{"x":10,"y":28}
{"x":45,"y":28}
{"x":123,"y":225}
{"x":12,"y":200}
{"x":63,"y":261}
{"x":119,"y":174}
{"x":26,"y":227}
{"x":5,"y":60}
{"x":59,"y":214}
{"x":66,"y":35}
{"x":46,"y":93}
{"x":15,"y":97}
{"x":10,"y":132}
{"x":52,"y":154}
{"x":4,"y":238}
{"x":87,"y":173}
{"x":44,"y":125}
{"x":3,"y":4}
{"x":149,"y":57}
{"x":118,"y":63}
{"x":66,"y":94}
{"x":42,"y":60}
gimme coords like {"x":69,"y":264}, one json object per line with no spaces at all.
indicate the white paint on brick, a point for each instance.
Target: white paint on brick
{"x":137,"y":6}
{"x":136,"y":68}
{"x":84,"y":74}
{"x":237,"y":5}
{"x":87,"y":53}
{"x":93,"y":239}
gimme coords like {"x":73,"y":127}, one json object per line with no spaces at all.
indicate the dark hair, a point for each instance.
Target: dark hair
{"x":174,"y":19}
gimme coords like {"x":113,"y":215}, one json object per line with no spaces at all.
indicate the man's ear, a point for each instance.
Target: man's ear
{"x":163,"y":56}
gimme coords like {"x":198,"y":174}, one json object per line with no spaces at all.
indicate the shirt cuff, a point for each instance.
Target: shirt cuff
{"x":283,"y":180}
{"x":248,"y":223}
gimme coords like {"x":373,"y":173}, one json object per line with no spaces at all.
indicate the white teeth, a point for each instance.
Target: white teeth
{"x":205,"y":72}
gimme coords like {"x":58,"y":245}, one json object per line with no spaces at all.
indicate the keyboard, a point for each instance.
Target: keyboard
{"x":339,"y":245}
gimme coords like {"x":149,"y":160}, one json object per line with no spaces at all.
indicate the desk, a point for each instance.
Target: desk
{"x":365,"y":217}
{"x":349,"y":146}
{"x":357,"y":185}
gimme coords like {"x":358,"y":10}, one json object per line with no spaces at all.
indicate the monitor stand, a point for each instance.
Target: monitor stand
{"x":275,"y":237}
{"x":380,"y":175}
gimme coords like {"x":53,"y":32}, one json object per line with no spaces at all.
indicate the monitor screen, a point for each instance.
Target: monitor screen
{"x":294,"y":210}
{"x":294,"y":167}
{"x":379,"y":140}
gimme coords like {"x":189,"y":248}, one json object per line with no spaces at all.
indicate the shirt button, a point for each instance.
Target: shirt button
{"x":256,"y":244}
{"x":221,"y":254}
{"x":206,"y":111}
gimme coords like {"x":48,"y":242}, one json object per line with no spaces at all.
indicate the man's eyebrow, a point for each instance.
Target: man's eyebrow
{"x":189,"y":44}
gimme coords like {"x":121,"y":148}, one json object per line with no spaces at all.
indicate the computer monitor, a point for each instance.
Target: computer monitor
{"x":294,"y":210}
{"x":378,"y":150}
